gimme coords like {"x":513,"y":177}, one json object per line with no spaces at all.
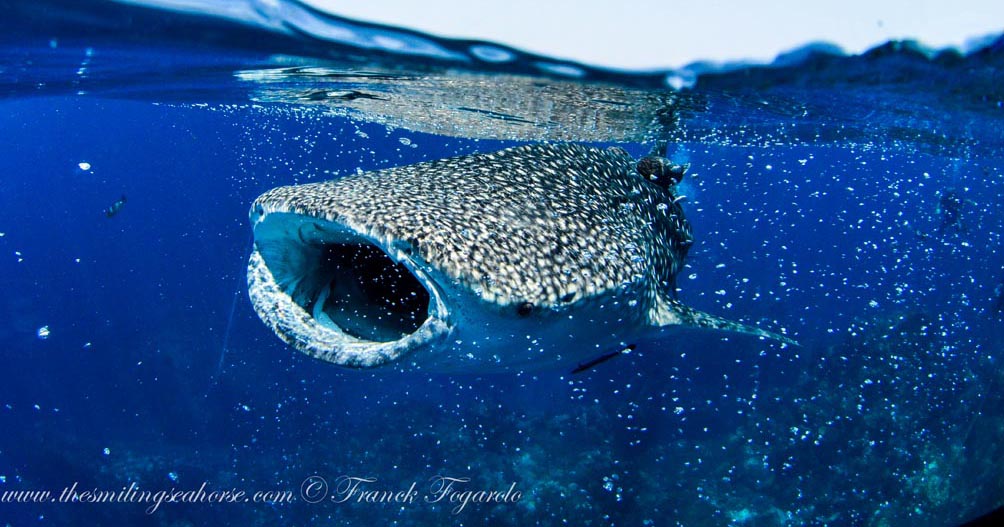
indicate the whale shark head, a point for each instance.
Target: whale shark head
{"x":529,"y":256}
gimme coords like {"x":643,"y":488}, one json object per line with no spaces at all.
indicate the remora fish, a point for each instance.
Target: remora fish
{"x":527,"y":257}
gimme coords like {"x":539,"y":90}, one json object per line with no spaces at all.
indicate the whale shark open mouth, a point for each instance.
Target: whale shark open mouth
{"x":358,"y":289}
{"x":339,"y":295}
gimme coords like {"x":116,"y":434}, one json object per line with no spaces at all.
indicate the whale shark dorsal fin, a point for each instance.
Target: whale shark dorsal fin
{"x":670,"y":312}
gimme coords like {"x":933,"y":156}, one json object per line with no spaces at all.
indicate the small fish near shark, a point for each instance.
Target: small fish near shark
{"x":116,"y":207}
{"x":547,"y":255}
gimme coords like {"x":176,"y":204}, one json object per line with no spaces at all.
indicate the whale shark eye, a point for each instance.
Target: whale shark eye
{"x":524,"y":309}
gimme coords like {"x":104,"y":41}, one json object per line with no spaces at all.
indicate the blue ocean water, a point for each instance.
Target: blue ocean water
{"x":820,"y":194}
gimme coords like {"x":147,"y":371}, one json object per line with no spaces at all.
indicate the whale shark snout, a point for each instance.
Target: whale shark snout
{"x":527,"y":257}
{"x":339,"y":295}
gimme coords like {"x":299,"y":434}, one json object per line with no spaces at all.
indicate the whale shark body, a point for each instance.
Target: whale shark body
{"x":530,"y":257}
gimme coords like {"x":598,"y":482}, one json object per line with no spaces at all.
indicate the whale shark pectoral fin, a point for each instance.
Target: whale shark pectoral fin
{"x":669,"y":312}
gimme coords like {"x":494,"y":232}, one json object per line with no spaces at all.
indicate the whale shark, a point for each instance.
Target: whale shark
{"x":536,"y":256}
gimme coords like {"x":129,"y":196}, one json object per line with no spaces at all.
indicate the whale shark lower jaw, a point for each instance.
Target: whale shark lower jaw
{"x":340,"y":295}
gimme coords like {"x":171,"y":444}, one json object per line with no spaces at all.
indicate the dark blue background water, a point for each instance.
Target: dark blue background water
{"x":157,"y":372}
